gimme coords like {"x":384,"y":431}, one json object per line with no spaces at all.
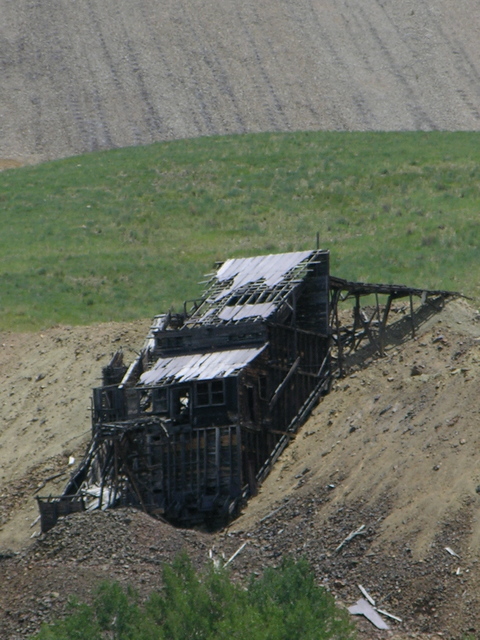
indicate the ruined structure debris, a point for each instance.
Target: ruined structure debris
{"x":194,"y":424}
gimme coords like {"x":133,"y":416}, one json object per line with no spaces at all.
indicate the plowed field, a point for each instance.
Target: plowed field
{"x":82,"y":75}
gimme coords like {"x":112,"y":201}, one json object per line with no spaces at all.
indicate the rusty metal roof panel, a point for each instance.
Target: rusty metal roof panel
{"x":200,"y":366}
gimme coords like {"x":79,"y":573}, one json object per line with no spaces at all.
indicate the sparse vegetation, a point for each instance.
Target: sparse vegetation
{"x":283,"y":604}
{"x":126,"y":233}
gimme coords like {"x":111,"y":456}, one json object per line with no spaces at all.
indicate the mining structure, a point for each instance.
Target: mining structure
{"x":189,"y":430}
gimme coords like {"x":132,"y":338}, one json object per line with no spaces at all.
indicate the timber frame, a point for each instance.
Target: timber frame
{"x":194,"y":424}
{"x":370,"y":323}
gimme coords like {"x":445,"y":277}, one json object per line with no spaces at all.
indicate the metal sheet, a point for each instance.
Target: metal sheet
{"x":239,"y":312}
{"x":199,"y":366}
{"x":364,"y":608}
{"x":270,"y":269}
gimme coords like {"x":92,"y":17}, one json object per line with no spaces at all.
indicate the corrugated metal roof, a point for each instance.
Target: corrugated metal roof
{"x":271,"y":269}
{"x":239,"y":312}
{"x":199,"y":366}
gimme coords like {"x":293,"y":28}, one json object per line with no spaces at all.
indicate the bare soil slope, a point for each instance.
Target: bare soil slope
{"x":83,"y":75}
{"x":394,"y":447}
{"x":46,"y":381}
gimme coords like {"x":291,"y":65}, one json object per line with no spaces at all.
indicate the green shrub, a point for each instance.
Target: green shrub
{"x":283,"y":604}
{"x":80,"y":624}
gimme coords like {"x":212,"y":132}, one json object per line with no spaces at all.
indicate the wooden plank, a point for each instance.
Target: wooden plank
{"x":281,"y":387}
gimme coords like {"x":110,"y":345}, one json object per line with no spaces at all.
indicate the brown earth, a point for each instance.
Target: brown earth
{"x":46,"y":380}
{"x":83,"y":75}
{"x":393,"y":447}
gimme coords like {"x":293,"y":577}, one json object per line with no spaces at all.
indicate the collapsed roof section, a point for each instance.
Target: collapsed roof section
{"x":199,"y":366}
{"x":246,"y":289}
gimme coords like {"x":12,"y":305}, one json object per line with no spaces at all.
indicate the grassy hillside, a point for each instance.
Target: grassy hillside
{"x":128,"y":233}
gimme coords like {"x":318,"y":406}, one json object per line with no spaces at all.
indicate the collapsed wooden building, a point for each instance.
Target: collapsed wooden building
{"x":193,"y":425}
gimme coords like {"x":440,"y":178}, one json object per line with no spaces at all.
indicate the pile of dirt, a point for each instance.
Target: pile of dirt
{"x":390,"y":453}
{"x":84,"y":76}
{"x":125,"y":545}
{"x":45,"y":389}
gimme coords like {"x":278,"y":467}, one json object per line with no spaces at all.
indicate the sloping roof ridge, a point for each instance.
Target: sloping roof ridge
{"x":200,"y":366}
{"x":271,"y":269}
{"x":254,"y":287}
{"x":263,"y":259}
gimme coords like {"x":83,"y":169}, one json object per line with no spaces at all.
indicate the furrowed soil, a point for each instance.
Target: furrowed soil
{"x":78,"y":76}
{"x":393,"y":448}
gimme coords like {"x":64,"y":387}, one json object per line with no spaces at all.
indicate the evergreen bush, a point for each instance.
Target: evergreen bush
{"x":282,"y":604}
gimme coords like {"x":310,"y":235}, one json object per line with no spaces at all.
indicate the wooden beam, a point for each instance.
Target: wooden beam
{"x":383,"y":325}
{"x":283,"y":384}
{"x":412,"y":316}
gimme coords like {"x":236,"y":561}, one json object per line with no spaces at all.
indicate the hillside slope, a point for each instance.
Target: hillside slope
{"x":393,"y":447}
{"x":87,"y":75}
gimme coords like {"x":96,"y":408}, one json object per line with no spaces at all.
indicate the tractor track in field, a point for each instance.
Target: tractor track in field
{"x":82,"y":75}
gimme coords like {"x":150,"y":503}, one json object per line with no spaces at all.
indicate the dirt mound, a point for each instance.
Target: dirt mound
{"x":46,"y":381}
{"x":83,"y":76}
{"x":390,"y":453}
{"x":125,"y":545}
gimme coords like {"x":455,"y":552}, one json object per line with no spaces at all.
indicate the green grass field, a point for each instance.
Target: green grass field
{"x":128,"y":233}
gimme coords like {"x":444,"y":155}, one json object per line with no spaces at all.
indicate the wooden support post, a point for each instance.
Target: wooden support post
{"x":217,"y":457}
{"x":230,"y":455}
{"x":412,"y":317}
{"x":357,"y":321}
{"x":238,"y":440}
{"x":205,"y":460}
{"x":104,"y":471}
{"x":183,"y":462}
{"x":282,"y":385}
{"x":198,"y":465}
{"x":331,"y":311}
{"x":383,"y":325}
{"x":339,"y":340}
{"x":134,"y":486}
{"x":115,"y":466}
{"x":366,"y":325}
